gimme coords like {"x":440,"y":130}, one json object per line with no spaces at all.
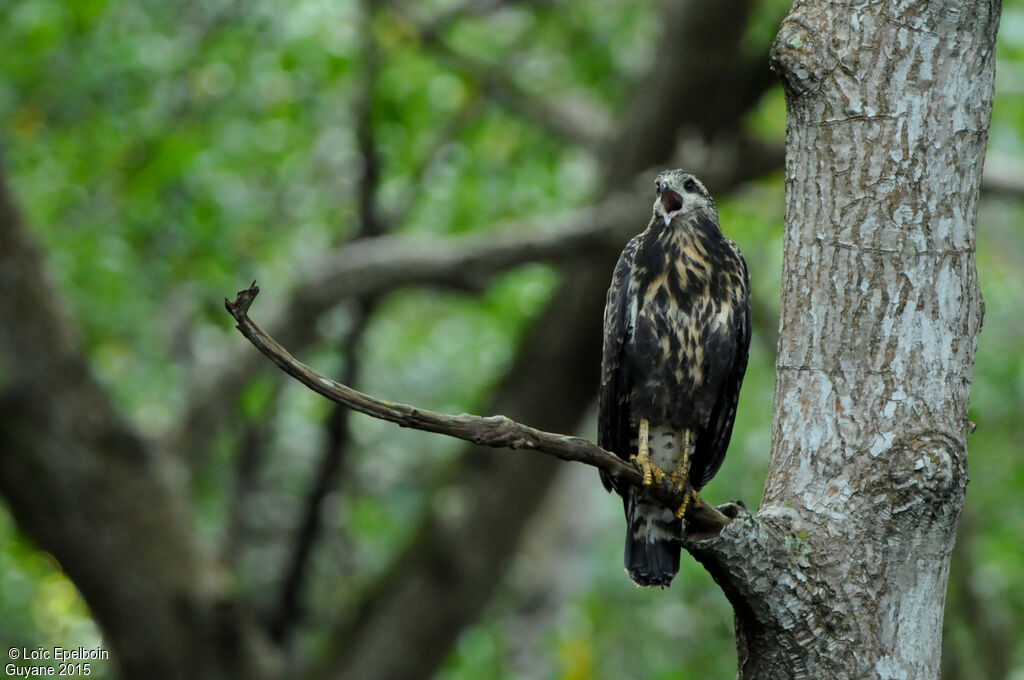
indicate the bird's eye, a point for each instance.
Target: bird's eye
{"x":657,"y":187}
{"x":689,"y":185}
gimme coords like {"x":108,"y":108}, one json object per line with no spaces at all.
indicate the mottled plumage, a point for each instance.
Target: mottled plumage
{"x":676,"y":335}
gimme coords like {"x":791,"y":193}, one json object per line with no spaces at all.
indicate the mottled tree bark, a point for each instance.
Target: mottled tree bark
{"x":842,"y":573}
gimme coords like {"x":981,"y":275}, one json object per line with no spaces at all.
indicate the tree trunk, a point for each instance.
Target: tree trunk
{"x":842,"y":573}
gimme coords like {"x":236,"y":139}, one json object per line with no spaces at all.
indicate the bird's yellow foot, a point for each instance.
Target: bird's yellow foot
{"x":651,"y":472}
{"x":646,"y":467}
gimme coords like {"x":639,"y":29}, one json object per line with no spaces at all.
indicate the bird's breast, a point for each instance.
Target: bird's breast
{"x":680,"y":330}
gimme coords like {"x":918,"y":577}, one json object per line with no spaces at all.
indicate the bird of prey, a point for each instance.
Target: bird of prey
{"x":676,"y":336}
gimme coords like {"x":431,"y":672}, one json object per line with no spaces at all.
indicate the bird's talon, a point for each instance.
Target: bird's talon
{"x":646,"y":468}
{"x":648,"y":472}
{"x":687,"y":498}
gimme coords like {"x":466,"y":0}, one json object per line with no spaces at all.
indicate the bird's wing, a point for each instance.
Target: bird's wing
{"x":613,"y":404}
{"x":711,"y":448}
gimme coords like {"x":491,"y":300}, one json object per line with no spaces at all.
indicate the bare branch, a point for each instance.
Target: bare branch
{"x":370,"y":223}
{"x":288,"y":609}
{"x":439,"y":22}
{"x":497,"y":431}
{"x":441,"y":137}
{"x":250,"y":455}
{"x":586,"y":125}
{"x":494,"y":431}
{"x":382,"y":264}
{"x":698,"y":53}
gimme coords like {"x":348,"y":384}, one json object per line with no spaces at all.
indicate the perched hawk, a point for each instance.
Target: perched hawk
{"x":676,"y":334}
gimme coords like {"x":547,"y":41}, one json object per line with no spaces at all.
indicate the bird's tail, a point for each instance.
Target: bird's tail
{"x":652,"y":543}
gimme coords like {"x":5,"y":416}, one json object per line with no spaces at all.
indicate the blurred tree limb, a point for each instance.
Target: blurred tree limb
{"x":88,"y":489}
{"x":288,"y":607}
{"x":1003,"y":177}
{"x":585,"y":125}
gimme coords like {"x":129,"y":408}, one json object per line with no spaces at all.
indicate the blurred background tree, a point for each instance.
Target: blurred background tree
{"x":164,"y":155}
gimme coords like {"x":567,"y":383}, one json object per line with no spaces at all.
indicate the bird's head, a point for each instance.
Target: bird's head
{"x":680,"y":193}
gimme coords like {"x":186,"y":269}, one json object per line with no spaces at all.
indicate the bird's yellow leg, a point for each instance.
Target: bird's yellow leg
{"x":681,"y":473}
{"x":682,"y":469}
{"x":643,"y":448}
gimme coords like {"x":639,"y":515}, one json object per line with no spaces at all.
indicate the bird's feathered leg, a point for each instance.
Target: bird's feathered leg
{"x":680,"y":475}
{"x":643,"y":457}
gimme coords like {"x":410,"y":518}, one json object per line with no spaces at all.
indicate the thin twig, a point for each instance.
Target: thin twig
{"x":586,"y":125}
{"x":495,"y":431}
{"x":441,"y":138}
{"x":1003,"y":177}
{"x":249,"y":458}
{"x":380,"y":265}
{"x":374,"y":266}
{"x":288,"y":611}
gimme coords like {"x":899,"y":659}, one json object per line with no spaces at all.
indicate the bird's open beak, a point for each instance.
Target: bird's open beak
{"x":671,"y":203}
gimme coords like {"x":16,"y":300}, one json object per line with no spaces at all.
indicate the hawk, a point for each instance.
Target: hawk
{"x":676,"y":337}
